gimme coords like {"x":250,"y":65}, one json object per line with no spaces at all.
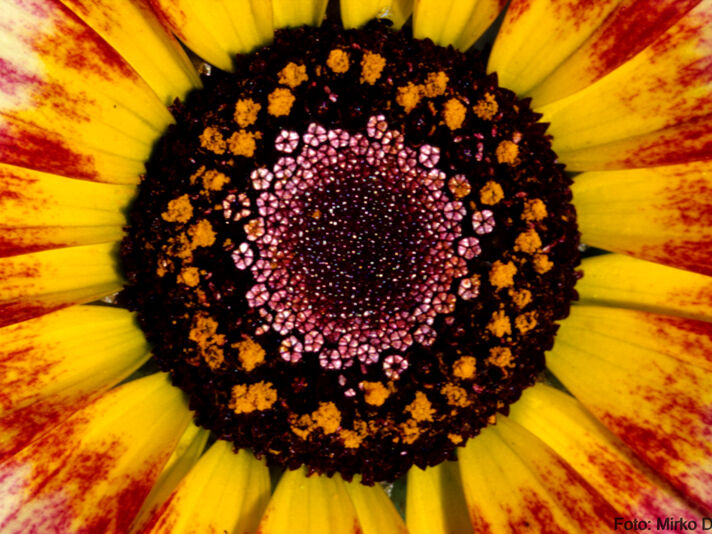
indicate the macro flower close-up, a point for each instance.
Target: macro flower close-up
{"x":359,"y":266}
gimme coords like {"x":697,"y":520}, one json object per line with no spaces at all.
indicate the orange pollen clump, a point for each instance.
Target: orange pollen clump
{"x":255,"y":228}
{"x":454,"y":113}
{"x":486,"y":108}
{"x":201,"y":234}
{"x":246,"y":111}
{"x":542,"y":264}
{"x":520,"y":298}
{"x":456,"y":396}
{"x":459,"y":188}
{"x":179,"y":210}
{"x":409,"y":431}
{"x":371,"y":67}
{"x":507,"y":152}
{"x":213,"y":356}
{"x":242,"y":143}
{"x":534,"y":210}
{"x":464,"y":367}
{"x":354,"y":438}
{"x":375,"y":393}
{"x":421,"y":409}
{"x":500,"y":325}
{"x":455,"y":438}
{"x":189,"y":276}
{"x":502,"y":274}
{"x":528,"y":242}
{"x":327,"y":417}
{"x":203,"y":331}
{"x":436,"y":84}
{"x":526,"y":322}
{"x":250,"y":353}
{"x":280,"y":102}
{"x":409,"y":96}
{"x":211,"y":139}
{"x":501,"y":357}
{"x":214,"y":180}
{"x":338,"y":61}
{"x":197,"y":174}
{"x":491,"y":193}
{"x":255,"y":397}
{"x":293,"y":74}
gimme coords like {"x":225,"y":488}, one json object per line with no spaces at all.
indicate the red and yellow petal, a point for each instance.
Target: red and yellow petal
{"x":563,"y":424}
{"x":536,"y":37}
{"x":658,"y":405}
{"x":667,"y":84}
{"x":225,"y":492}
{"x":435,"y":503}
{"x":613,"y":43}
{"x":615,"y":280}
{"x":41,"y":282}
{"x":91,"y":472}
{"x":69,"y":104}
{"x":514,"y":482}
{"x":310,"y":505}
{"x":374,"y":509}
{"x":40,"y":211}
{"x":454,"y":22}
{"x":661,"y":214}
{"x":218,"y":29}
{"x":356,"y":13}
{"x":288,"y":13}
{"x":133,"y":30}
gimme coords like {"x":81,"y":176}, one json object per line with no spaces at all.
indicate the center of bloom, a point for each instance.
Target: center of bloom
{"x":351,"y":253}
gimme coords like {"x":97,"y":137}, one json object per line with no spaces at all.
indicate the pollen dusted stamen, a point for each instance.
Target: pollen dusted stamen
{"x":351,"y":254}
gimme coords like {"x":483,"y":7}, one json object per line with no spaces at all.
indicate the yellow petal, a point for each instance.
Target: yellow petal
{"x":613,"y":43}
{"x":37,"y":283}
{"x":40,"y":211}
{"x":91,"y":472}
{"x":435,"y":503}
{"x":288,"y":13}
{"x":224,"y":492}
{"x":218,"y":29}
{"x":356,"y":13}
{"x":658,"y":405}
{"x":513,"y":483}
{"x":69,"y":103}
{"x":454,"y":22}
{"x":615,"y":280}
{"x":536,"y":37}
{"x":564,"y":425}
{"x":310,"y":505}
{"x":135,"y":33}
{"x":661,"y":214}
{"x":664,"y":85}
{"x":374,"y":509}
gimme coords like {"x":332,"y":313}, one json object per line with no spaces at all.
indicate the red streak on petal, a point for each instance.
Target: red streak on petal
{"x":22,"y":310}
{"x":688,"y":202}
{"x":173,"y":21}
{"x":692,"y":255}
{"x":516,"y":9}
{"x":537,"y":518}
{"x":574,"y":13}
{"x":33,"y":368}
{"x":15,"y":241}
{"x":687,"y":336}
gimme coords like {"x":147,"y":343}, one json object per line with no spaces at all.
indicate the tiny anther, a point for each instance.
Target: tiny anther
{"x":508,"y":152}
{"x":372,"y":65}
{"x":436,"y":84}
{"x":491,"y":193}
{"x":292,"y":75}
{"x":528,"y":242}
{"x":338,"y":61}
{"x":501,"y":274}
{"x":499,"y":324}
{"x":211,"y":139}
{"x":178,"y":210}
{"x":486,"y":108}
{"x":280,"y":102}
{"x":246,"y":112}
{"x":454,"y":113}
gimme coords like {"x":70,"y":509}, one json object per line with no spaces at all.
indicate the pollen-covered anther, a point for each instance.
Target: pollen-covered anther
{"x":211,"y":139}
{"x":491,"y":194}
{"x":253,"y":397}
{"x":246,"y":112}
{"x":534,"y":210}
{"x":487,"y":107}
{"x":436,"y":84}
{"x":292,"y":75}
{"x":508,"y":152}
{"x":338,"y":61}
{"x":372,"y":65}
{"x":178,"y":210}
{"x":454,"y":113}
{"x":528,"y":242}
{"x":499,"y":324}
{"x":501,"y":274}
{"x":465,"y":367}
{"x":280,"y":102}
{"x":409,"y":96}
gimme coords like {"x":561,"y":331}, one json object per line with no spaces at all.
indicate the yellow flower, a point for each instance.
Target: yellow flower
{"x":621,"y":427}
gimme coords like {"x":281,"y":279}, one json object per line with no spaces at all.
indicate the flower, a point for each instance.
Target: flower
{"x":624,"y":436}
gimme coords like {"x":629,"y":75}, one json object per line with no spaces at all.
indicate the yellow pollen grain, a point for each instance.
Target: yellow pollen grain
{"x":465,"y":367}
{"x":520,"y":298}
{"x":203,"y":329}
{"x":486,"y":108}
{"x":542,"y":264}
{"x":211,"y":139}
{"x":293,"y":75}
{"x":250,"y":353}
{"x":201,"y":234}
{"x":409,"y":96}
{"x":214,"y":180}
{"x":491,"y":193}
{"x":436,"y":84}
{"x":526,"y":322}
{"x":454,"y":113}
{"x":455,"y":395}
{"x":242,"y":143}
{"x":189,"y":276}
{"x":255,"y":397}
{"x":246,"y":111}
{"x":197,"y":174}
{"x":534,"y":210}
{"x":372,"y":65}
{"x":180,"y":247}
{"x":302,"y":426}
{"x":421,"y":408}
{"x":492,"y":419}
{"x":409,"y":431}
{"x":327,"y":417}
{"x":280,"y":102}
{"x":375,"y":393}
{"x":455,"y":438}
{"x":179,"y":210}
{"x":213,"y":356}
{"x":500,"y":324}
{"x":528,"y":242}
{"x":507,"y":152}
{"x":338,"y":61}
{"x":351,"y":439}
{"x":502,"y":274}
{"x":501,"y":357}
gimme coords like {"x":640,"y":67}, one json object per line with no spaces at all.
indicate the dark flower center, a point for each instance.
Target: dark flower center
{"x":351,"y":253}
